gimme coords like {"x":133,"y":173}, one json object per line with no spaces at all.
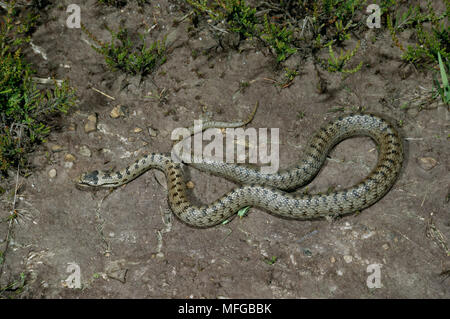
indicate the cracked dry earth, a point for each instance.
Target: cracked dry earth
{"x":127,"y":244}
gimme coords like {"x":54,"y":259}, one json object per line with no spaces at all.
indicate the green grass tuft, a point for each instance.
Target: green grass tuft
{"x":25,"y":111}
{"x":122,"y":54}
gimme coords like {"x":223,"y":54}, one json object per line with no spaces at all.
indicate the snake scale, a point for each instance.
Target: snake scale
{"x":268,"y":191}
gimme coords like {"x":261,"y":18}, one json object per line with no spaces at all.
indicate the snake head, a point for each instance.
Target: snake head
{"x":86,"y":180}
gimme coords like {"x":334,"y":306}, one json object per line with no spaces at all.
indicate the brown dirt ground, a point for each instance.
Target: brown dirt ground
{"x":165,"y":258}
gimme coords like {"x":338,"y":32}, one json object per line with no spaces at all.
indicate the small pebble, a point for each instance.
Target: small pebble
{"x":385,"y":246}
{"x":137,"y":130}
{"x":190,"y":185}
{"x":172,"y":37}
{"x":69,"y":158}
{"x":72,"y":127}
{"x":68,"y":164}
{"x":348,"y":259}
{"x":91,"y":124}
{"x":117,"y":112}
{"x":56,"y":148}
{"x":333,"y":260}
{"x":153,"y":132}
{"x":307,"y":252}
{"x":116,"y":270}
{"x":427,"y":163}
{"x":85,"y":151}
{"x":52,"y":173}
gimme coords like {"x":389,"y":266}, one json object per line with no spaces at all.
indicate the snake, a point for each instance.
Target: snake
{"x":274,"y":192}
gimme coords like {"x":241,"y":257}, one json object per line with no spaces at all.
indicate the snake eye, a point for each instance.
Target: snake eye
{"x":80,"y":182}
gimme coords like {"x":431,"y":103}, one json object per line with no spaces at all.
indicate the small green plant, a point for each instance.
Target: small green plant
{"x":279,"y":39}
{"x":337,"y":63}
{"x":290,"y":74}
{"x":289,"y":77}
{"x":271,"y":261}
{"x":24,"y":110}
{"x":387,"y":6}
{"x":341,"y":32}
{"x":429,"y":45}
{"x":431,"y":31}
{"x":243,"y":211}
{"x":343,"y":10}
{"x":405,"y":19}
{"x":239,"y":17}
{"x":202,"y":6}
{"x":444,"y":89}
{"x":332,"y":19}
{"x":16,"y":286}
{"x":122,"y":54}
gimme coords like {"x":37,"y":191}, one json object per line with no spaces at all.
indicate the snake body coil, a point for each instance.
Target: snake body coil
{"x":265,"y":190}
